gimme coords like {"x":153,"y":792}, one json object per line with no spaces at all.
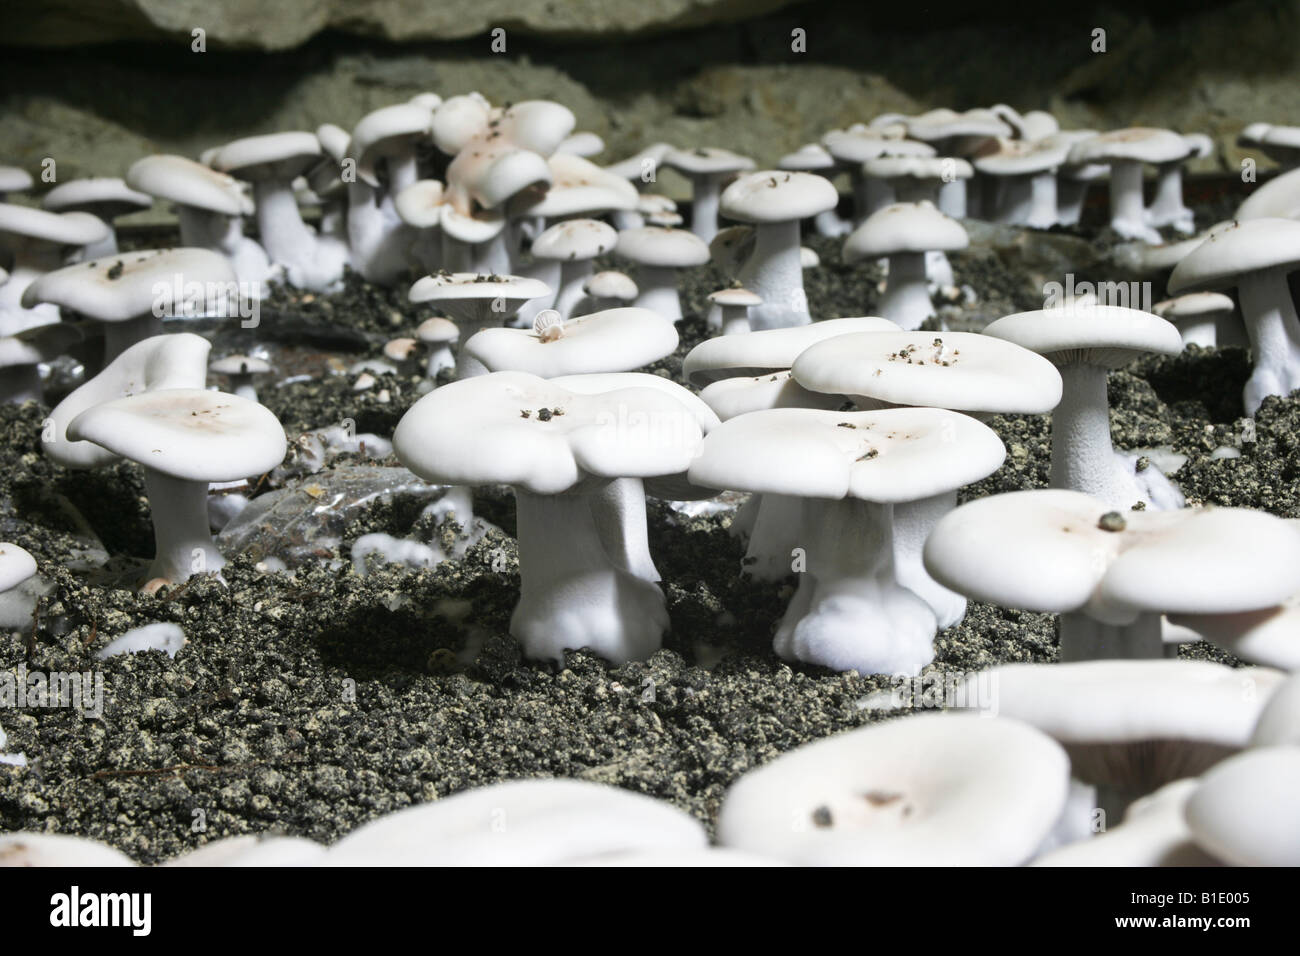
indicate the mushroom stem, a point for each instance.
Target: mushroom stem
{"x":773,"y":535}
{"x":1070,"y":196}
{"x":913,"y":522}
{"x":120,"y":336}
{"x":183,"y":542}
{"x":571,"y":593}
{"x":1083,"y":458}
{"x":735,"y":319}
{"x":850,"y":612}
{"x":952,"y":198}
{"x":705,"y":190}
{"x":773,"y":273}
{"x":620,"y":513}
{"x":1274,"y":331}
{"x":906,"y":299}
{"x":440,"y":357}
{"x":284,"y":235}
{"x":572,"y":275}
{"x":1084,"y":638}
{"x":1167,"y":207}
{"x":658,"y":291}
{"x":402,"y":171}
{"x":1127,"y":209}
{"x":20,"y":383}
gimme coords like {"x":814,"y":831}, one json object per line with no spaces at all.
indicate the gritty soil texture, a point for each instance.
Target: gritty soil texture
{"x":311,"y":702}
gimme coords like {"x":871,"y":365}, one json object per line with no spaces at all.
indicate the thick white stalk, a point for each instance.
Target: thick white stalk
{"x":572,"y":275}
{"x":913,"y":522}
{"x":1083,"y":458}
{"x":774,"y":533}
{"x":657,"y":291}
{"x":1167,"y":207}
{"x":1274,"y":332}
{"x":1127,"y":208}
{"x":1084,"y":638}
{"x":285,"y":237}
{"x":183,"y":541}
{"x":952,"y":199}
{"x":906,"y":299}
{"x":705,"y":192}
{"x":773,"y":273}
{"x":1042,"y":201}
{"x":620,"y":513}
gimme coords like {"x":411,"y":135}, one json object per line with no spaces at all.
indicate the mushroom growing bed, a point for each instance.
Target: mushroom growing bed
{"x":318,"y":689}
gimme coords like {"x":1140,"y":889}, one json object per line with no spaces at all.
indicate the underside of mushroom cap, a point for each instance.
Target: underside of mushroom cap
{"x":1087,"y":334}
{"x":61,"y":228}
{"x":963,"y":371}
{"x":1234,"y":250}
{"x":183,"y":181}
{"x":271,"y":156}
{"x":517,"y":429}
{"x":889,"y":456}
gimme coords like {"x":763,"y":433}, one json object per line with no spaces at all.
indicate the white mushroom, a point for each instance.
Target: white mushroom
{"x":658,"y":253}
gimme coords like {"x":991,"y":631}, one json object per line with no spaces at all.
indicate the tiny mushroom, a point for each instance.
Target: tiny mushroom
{"x":905,"y":232}
{"x":1110,"y":575}
{"x":438,"y":335}
{"x":1198,"y":316}
{"x":929,"y":790}
{"x":608,"y":290}
{"x":735,"y":302}
{"x":240,"y":370}
{"x":775,"y":202}
{"x":184,"y":439}
{"x":1085,"y":341}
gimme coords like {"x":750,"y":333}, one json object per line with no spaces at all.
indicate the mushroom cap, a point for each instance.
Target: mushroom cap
{"x":632,"y":167}
{"x":933,"y":789}
{"x":575,"y":239}
{"x":475,"y":229}
{"x":16,"y":566}
{"x":857,"y":148}
{"x":905,"y":227}
{"x":108,"y":194}
{"x":735,"y":296}
{"x":1019,"y":157}
{"x":1106,"y":335}
{"x":888,"y":456}
{"x":616,"y":340}
{"x":731,"y":356}
{"x":1235,"y":250}
{"x":477,"y":293}
{"x":941,"y":124}
{"x":1244,"y":811}
{"x":492,"y":171}
{"x":14,"y":179}
{"x":1279,"y":720}
{"x":730,"y":397}
{"x":457,"y":120}
{"x":279,"y":156}
{"x":387,"y":131}
{"x":707,"y":161}
{"x":1279,"y":198}
{"x":421,"y":204}
{"x":400,"y":349}
{"x":964,"y":371}
{"x":437,"y":331}
{"x":240,"y":365}
{"x":1129,"y":701}
{"x":1288,"y":137}
{"x":334,"y":140}
{"x":1193,"y":305}
{"x":1252,"y":134}
{"x":660,"y":247}
{"x":917,"y":167}
{"x":1136,"y":143}
{"x":121,"y":287}
{"x":475,"y":432}
{"x":578,"y":187}
{"x":188,"y":433}
{"x":611,"y":284}
{"x":1052,"y":555}
{"x":427,"y":100}
{"x":536,"y":125}
{"x":1269,"y":636}
{"x":807,"y":158}
{"x":57,"y":849}
{"x":38,"y":343}
{"x":583,"y":143}
{"x":775,"y":195}
{"x":63,"y":228}
{"x":175,"y":361}
{"x":187,"y":183}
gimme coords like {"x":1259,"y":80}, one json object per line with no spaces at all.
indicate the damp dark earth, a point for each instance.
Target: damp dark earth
{"x":314,"y":693}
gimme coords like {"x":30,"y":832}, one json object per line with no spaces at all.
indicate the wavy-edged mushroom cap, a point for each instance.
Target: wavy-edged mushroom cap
{"x":918,"y":167}
{"x":1086,"y":705}
{"x":437,"y":331}
{"x":177,"y":361}
{"x":730,"y":397}
{"x":857,"y":148}
{"x":280,"y":156}
{"x":546,"y":822}
{"x":775,"y":195}
{"x":578,"y":187}
{"x":1019,"y":157}
{"x":770,"y":350}
{"x":888,"y":456}
{"x":964,"y":371}
{"x":14,"y":179}
{"x":635,"y":165}
{"x":1244,"y":811}
{"x":123,"y":286}
{"x":662,"y":248}
{"x":1233,"y":251}
{"x":1193,"y":305}
{"x":471,"y":296}
{"x":575,"y":239}
{"x":940,"y":124}
{"x":1062,"y":551}
{"x":905,"y":227}
{"x":611,"y":284}
{"x":706,"y":160}
{"x":16,"y":566}
{"x":807,"y":158}
{"x":490,"y":172}
{"x":1086,"y":334}
{"x":512,"y":428}
{"x":187,"y":433}
{"x":387,"y":131}
{"x":421,"y":204}
{"x":187,"y":183}
{"x":107,"y":197}
{"x":1138,"y":143}
{"x":481,"y":227}
{"x":457,"y":120}
{"x":537,"y":125}
{"x":61,"y":228}
{"x":616,"y":340}
{"x":930,"y":790}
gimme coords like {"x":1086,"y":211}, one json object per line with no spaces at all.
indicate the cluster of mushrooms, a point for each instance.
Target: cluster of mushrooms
{"x":852,"y":438}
